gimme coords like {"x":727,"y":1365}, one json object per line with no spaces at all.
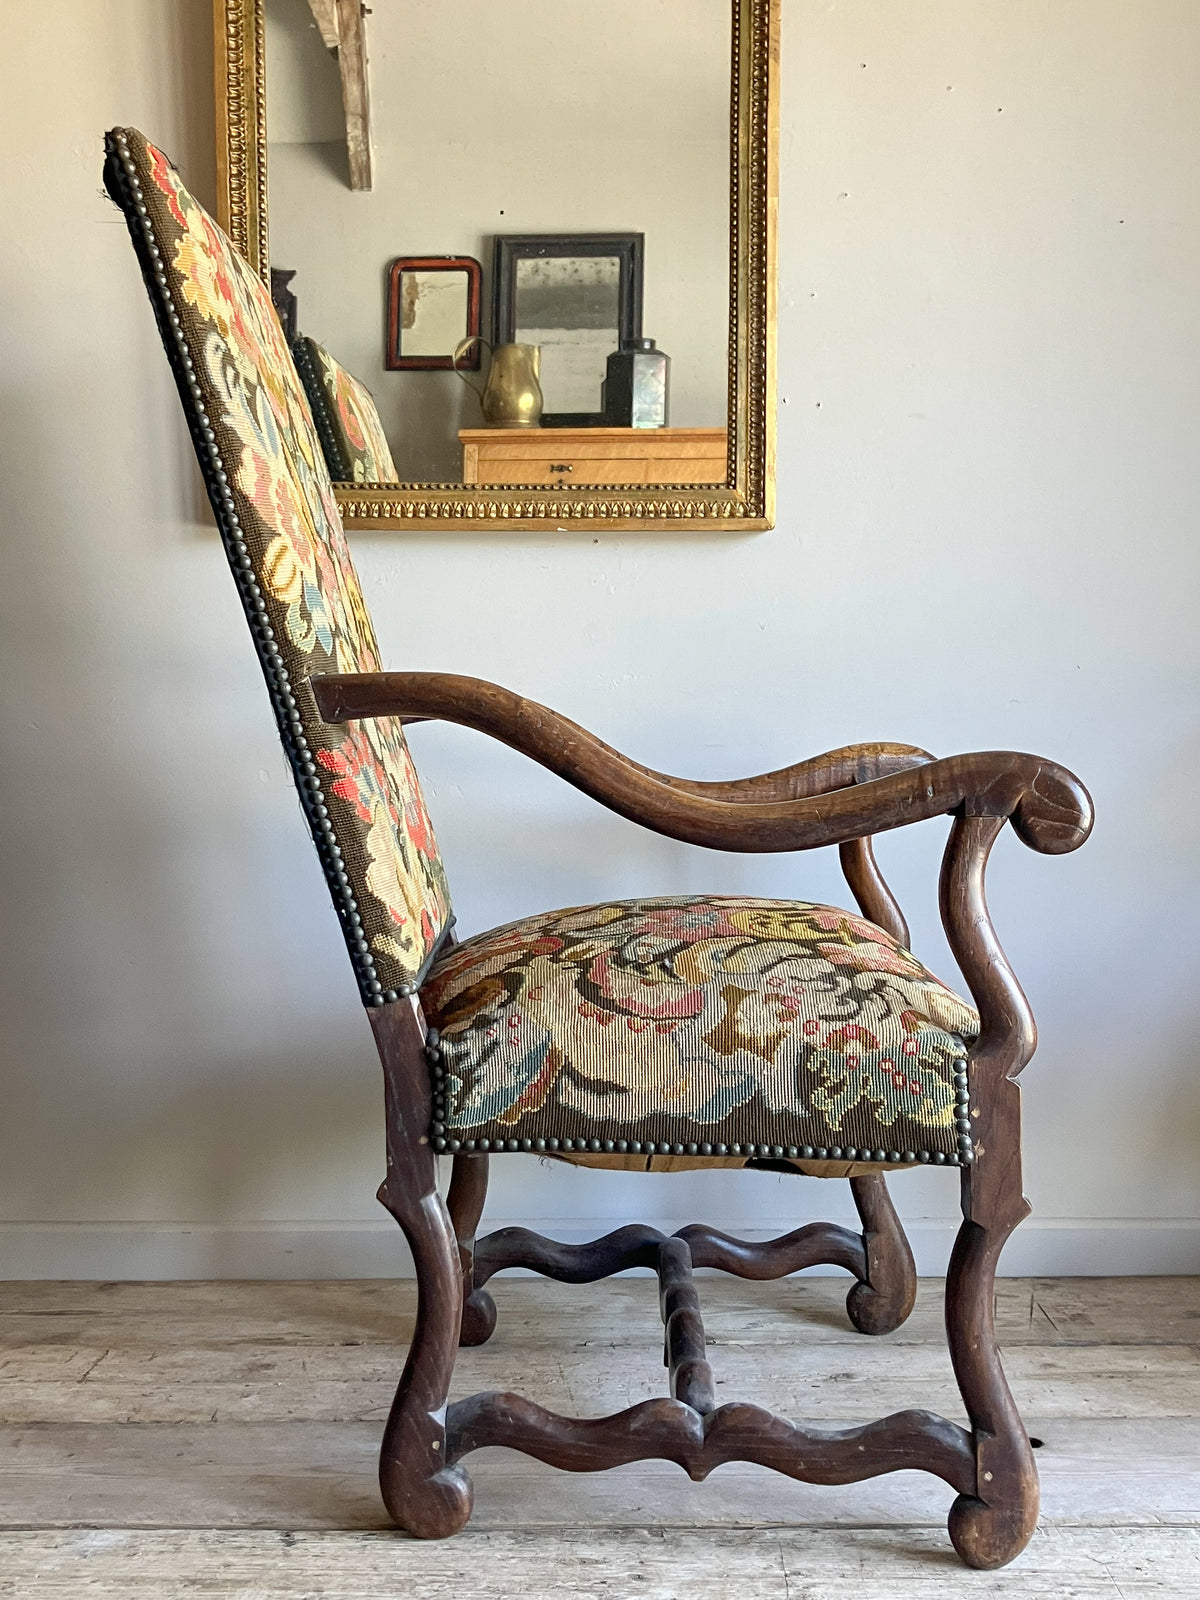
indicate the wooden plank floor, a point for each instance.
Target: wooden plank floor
{"x":170,"y":1440}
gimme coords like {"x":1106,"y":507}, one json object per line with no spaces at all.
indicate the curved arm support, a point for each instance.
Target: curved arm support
{"x":835,"y":769}
{"x":1048,"y":806}
{"x":870,"y":890}
{"x":1009,"y":1033}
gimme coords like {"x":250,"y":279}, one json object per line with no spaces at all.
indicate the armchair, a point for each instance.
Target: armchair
{"x":648,"y":1034}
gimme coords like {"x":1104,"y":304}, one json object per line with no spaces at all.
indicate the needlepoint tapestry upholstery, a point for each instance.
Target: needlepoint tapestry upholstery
{"x":275,"y":508}
{"x":711,"y":1027}
{"x":348,"y":425}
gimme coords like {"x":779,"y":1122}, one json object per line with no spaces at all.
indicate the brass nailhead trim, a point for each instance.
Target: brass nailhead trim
{"x":339,"y":467}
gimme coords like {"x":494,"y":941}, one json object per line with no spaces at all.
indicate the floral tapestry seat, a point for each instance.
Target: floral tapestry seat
{"x":698,"y":1031}
{"x":347,"y":419}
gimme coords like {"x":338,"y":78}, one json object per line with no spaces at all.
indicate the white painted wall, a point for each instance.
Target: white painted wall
{"x":988,"y":516}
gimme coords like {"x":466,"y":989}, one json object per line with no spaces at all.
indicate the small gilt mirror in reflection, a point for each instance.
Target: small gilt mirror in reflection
{"x":433,"y":307}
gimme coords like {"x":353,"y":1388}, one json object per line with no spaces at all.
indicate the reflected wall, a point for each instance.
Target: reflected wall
{"x":580,"y":117}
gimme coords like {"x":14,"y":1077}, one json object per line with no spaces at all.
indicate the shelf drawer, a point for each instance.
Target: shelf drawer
{"x":579,"y":474}
{"x":568,"y":458}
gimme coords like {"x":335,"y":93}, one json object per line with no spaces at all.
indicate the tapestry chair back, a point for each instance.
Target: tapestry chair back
{"x":266,"y":477}
{"x":344,"y":410}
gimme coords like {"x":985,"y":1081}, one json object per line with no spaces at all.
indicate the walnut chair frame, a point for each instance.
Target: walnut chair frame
{"x":841,"y":798}
{"x":273,"y":505}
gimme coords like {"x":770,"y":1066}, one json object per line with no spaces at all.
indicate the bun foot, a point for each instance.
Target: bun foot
{"x":991,"y":1536}
{"x":873,"y":1312}
{"x":478,"y":1318}
{"x":429,"y":1508}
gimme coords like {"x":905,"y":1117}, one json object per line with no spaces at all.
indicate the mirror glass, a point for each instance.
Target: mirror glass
{"x":576,"y":299}
{"x":492,"y":125}
{"x":568,"y":306}
{"x":433,"y":313}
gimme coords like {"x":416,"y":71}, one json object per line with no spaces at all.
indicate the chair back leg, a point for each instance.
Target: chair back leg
{"x":422,"y":1493}
{"x":468,"y":1191}
{"x":884,"y":1300}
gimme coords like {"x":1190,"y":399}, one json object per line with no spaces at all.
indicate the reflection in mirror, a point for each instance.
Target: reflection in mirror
{"x":579,"y":299}
{"x":433,"y":305}
{"x":433,"y":313}
{"x":492,"y":122}
{"x":568,"y":308}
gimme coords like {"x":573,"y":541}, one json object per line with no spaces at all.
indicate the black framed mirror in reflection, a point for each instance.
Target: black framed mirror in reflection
{"x":489,"y":123}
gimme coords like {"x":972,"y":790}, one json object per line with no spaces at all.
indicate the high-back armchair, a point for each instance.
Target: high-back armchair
{"x":681,"y":1033}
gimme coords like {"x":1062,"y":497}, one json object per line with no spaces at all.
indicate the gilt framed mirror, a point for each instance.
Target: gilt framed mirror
{"x":350,"y":138}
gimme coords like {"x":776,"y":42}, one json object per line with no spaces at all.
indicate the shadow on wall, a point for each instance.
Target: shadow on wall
{"x":165,"y":1049}
{"x":430,"y":407}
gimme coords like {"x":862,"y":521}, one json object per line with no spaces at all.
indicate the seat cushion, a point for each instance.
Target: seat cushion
{"x":702,"y":1027}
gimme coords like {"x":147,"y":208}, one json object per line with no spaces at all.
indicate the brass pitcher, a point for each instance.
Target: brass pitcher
{"x":512,"y":395}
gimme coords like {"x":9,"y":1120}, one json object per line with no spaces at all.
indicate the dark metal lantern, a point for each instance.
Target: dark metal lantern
{"x":637,"y":386}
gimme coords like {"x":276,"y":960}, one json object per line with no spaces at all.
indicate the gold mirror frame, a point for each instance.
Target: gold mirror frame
{"x":746,"y":501}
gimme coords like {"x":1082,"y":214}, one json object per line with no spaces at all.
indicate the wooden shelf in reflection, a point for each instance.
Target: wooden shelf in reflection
{"x":579,"y":457}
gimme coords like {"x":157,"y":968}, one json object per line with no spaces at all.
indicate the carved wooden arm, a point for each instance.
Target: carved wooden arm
{"x":836,"y":769}
{"x":840,"y":798}
{"x":827,"y":800}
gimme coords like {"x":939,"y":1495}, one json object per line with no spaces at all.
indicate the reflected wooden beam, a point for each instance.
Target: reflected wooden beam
{"x":356,"y":100}
{"x":325,"y":15}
